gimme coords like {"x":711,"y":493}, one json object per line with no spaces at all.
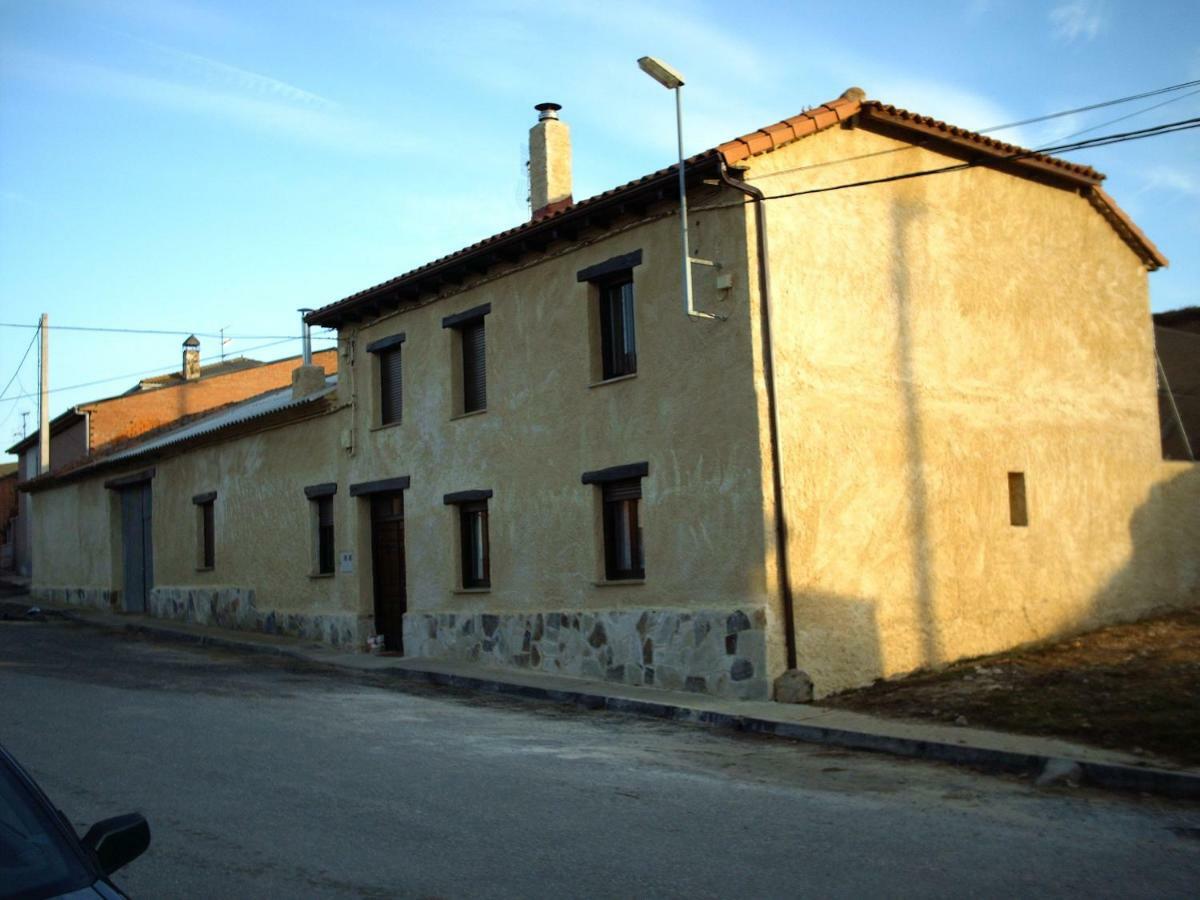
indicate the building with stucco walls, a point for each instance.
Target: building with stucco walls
{"x":92,"y":429}
{"x":914,"y":421}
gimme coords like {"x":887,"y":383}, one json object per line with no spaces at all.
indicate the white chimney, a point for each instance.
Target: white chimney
{"x":191,"y":358}
{"x":549,"y":162}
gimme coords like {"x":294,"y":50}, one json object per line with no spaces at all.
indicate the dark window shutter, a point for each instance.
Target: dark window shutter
{"x":209,"y":535}
{"x":623,"y":556}
{"x":391,"y":384}
{"x":474,"y":367}
{"x":325,"y":535}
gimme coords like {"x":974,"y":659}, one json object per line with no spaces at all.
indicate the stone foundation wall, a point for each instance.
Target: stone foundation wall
{"x":717,"y":652}
{"x":96,"y":598}
{"x":233,"y":607}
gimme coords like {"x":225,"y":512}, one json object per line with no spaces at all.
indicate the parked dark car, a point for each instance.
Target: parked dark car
{"x":42,"y":857}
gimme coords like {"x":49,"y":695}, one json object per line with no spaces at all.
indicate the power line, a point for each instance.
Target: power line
{"x":1136,"y":112}
{"x":1089,"y":108}
{"x":1101,"y":141}
{"x":204,"y":334}
{"x":24,"y":356}
{"x":1055,"y":115}
{"x":159,"y":371}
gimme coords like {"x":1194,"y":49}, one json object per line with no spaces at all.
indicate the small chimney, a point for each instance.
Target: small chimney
{"x":191,"y":358}
{"x":549,"y":162}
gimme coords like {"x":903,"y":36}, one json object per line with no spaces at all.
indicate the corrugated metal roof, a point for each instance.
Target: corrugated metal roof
{"x":262,"y":405}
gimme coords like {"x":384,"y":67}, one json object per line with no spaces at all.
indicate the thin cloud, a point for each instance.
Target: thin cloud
{"x":214,"y":71}
{"x":1078,"y":20}
{"x":255,"y":102}
{"x":1172,"y":181}
{"x":178,"y":16}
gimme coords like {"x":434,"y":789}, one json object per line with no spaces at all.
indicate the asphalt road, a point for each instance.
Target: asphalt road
{"x":263,"y":778}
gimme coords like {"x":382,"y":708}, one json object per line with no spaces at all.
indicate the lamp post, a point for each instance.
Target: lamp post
{"x":673,"y":80}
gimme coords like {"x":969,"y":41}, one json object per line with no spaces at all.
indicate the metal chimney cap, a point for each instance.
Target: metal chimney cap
{"x":548,"y":111}
{"x":192,"y":341}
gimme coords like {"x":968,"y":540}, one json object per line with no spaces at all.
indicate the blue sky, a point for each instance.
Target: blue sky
{"x":190,"y":166}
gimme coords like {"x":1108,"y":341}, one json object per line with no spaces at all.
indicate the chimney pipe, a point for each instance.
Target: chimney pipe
{"x":549,"y":162}
{"x":191,"y":358}
{"x":306,"y":336}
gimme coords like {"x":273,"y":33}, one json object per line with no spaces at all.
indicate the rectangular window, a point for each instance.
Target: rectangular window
{"x":205,"y":532}
{"x":474,"y":550}
{"x":324,"y":535}
{"x":623,"y":530}
{"x":476,"y":561}
{"x":206,"y":510}
{"x":618,"y":341}
{"x":386,"y":351}
{"x":474,"y":367}
{"x":1018,"y":512}
{"x":391,"y":387}
{"x":472,"y":358}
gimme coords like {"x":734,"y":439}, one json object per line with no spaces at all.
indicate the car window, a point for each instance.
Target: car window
{"x":35,"y":858}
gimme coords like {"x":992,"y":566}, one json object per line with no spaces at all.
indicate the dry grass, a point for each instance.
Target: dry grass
{"x":1129,"y":687}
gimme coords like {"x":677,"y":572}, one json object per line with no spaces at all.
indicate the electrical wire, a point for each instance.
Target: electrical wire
{"x":1136,"y":112}
{"x":229,"y":337}
{"x":1101,"y":105}
{"x":165,"y":370}
{"x":924,"y":143}
{"x":24,"y":357}
{"x":1101,"y":141}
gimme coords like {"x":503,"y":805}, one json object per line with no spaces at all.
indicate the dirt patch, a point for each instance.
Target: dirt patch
{"x":1132,"y":687}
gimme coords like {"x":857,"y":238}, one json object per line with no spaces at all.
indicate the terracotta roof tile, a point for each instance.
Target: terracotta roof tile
{"x":775,"y":136}
{"x":1124,"y":226}
{"x":934,"y":128}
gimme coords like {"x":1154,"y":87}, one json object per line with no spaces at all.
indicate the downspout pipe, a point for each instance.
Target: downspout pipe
{"x":764,"y":294}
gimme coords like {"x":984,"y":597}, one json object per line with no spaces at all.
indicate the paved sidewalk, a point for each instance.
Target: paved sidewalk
{"x":1049,"y":760}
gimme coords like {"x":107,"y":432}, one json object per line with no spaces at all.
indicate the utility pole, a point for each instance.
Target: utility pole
{"x":44,"y":397}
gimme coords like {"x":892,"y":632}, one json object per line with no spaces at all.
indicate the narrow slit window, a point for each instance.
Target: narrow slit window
{"x":324,"y":535}
{"x":1018,"y":511}
{"x":206,"y":529}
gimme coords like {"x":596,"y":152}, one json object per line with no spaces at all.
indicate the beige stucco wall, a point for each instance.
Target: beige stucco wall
{"x":690,"y":412}
{"x":264,"y":530}
{"x":71,"y":538}
{"x":262,"y":520}
{"x":932,"y":336}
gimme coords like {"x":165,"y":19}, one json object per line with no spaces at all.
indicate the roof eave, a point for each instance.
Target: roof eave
{"x":508,"y":246}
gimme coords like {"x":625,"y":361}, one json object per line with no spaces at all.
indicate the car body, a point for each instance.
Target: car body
{"x":42,"y":857}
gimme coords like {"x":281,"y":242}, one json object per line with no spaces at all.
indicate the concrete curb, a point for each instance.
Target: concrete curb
{"x":1112,"y":776}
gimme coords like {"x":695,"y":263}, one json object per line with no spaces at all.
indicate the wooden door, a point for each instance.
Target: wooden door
{"x":137,"y":550}
{"x":387,"y":553}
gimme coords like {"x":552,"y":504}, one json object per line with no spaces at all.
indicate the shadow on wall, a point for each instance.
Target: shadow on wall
{"x":904,"y":214}
{"x":838,"y":641}
{"x":1163,"y":571}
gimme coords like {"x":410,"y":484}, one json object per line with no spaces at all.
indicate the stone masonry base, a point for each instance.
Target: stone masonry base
{"x":717,"y":652}
{"x":227,"y":607}
{"x":96,"y":598}
{"x":234,"y":607}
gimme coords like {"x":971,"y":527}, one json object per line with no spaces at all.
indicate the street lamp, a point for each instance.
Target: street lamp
{"x":673,"y":80}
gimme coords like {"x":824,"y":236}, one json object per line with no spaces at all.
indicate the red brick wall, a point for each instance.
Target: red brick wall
{"x":121,"y":418}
